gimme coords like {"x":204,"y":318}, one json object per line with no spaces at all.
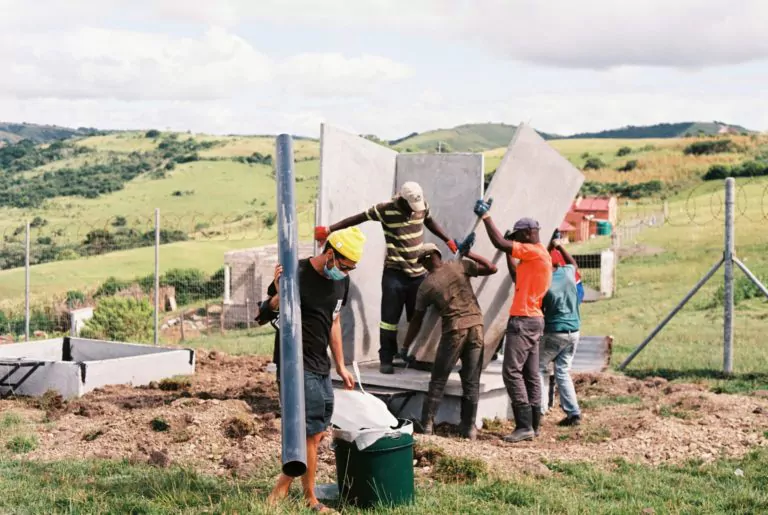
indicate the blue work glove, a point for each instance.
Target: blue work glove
{"x":482,"y":207}
{"x":466,"y":244}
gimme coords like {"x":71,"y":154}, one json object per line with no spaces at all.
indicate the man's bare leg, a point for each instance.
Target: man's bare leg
{"x":308,"y":479}
{"x":281,"y":489}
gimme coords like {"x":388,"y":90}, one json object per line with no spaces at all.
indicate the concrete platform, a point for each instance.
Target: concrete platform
{"x":405,"y":390}
{"x":75,"y":366}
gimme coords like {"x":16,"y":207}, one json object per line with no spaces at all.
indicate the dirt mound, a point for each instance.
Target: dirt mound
{"x":225,"y":420}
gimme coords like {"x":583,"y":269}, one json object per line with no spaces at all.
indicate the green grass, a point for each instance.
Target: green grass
{"x":600,"y":402}
{"x":257,"y":341}
{"x":21,"y":444}
{"x":10,"y":419}
{"x":117,"y":487}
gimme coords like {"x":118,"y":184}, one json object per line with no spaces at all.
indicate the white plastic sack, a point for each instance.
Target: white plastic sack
{"x":361,"y":417}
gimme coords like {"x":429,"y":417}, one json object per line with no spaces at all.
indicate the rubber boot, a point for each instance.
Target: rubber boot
{"x":536,"y":420}
{"x":428,"y":415}
{"x":468,"y":429}
{"x":523,"y":424}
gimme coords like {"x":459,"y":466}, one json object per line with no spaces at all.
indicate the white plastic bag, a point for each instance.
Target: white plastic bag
{"x":361,"y":417}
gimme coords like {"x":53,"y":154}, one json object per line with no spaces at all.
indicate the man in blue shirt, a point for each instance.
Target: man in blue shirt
{"x":562,"y":322}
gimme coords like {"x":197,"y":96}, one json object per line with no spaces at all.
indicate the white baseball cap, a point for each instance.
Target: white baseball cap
{"x":412,"y":193}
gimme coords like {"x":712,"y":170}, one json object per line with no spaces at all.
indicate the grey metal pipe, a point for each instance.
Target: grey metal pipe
{"x":294,"y":435}
{"x":751,"y":276}
{"x":730,"y":201}
{"x":671,"y":315}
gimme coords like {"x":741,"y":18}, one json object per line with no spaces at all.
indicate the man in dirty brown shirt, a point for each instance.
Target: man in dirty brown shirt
{"x":448,"y":289}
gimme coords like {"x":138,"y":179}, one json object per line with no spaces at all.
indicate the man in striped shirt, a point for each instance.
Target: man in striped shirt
{"x":403,"y":220}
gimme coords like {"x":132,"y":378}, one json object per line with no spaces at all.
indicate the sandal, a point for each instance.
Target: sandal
{"x":322,"y":508}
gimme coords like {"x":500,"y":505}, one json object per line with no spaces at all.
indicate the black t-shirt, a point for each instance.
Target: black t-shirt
{"x":321,"y":301}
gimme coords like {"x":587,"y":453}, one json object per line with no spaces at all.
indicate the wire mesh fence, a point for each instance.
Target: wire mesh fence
{"x":109,"y":279}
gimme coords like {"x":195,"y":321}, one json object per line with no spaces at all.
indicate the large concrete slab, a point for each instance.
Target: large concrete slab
{"x":532,"y":180}
{"x":75,"y":366}
{"x":451,"y":183}
{"x":355,"y":174}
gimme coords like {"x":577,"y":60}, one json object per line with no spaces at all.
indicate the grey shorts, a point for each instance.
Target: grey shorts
{"x":318,"y":402}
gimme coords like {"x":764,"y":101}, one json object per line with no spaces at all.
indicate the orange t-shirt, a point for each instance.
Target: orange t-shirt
{"x":534,"y":276}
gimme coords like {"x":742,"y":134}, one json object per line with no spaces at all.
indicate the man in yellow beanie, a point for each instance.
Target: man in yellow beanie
{"x":323,"y":287}
{"x":403,"y":220}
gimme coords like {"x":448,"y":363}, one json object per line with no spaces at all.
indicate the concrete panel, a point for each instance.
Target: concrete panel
{"x":95,"y":350}
{"x":532,"y":180}
{"x":138,"y":370}
{"x":62,"y":377}
{"x":355,"y":174}
{"x":47,"y":350}
{"x":451,"y":183}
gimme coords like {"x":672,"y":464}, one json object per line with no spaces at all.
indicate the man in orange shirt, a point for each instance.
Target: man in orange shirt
{"x":526,"y":320}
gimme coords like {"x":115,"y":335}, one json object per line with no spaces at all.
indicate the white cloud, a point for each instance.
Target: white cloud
{"x":590,"y":34}
{"x":129,"y":65}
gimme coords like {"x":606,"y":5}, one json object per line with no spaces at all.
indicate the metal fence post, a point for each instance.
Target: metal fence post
{"x":26,"y":284}
{"x":730,"y":198}
{"x":157,"y":275}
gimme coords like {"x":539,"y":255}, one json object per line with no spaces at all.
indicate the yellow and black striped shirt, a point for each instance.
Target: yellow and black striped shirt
{"x":404,"y":234}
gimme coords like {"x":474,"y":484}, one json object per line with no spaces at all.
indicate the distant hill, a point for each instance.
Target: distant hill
{"x":15,"y":132}
{"x":464,"y":138}
{"x":665,"y":130}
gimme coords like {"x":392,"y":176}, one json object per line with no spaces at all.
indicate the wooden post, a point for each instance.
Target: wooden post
{"x":247,"y":313}
{"x":181,"y":319}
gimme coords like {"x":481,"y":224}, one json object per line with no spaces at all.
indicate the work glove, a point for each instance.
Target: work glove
{"x":453,"y":246}
{"x":482,"y":207}
{"x":466,"y":244}
{"x":321,"y":233}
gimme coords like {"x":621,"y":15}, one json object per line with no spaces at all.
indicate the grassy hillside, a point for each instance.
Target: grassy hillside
{"x":665,"y":130}
{"x":15,"y":132}
{"x":474,"y":137}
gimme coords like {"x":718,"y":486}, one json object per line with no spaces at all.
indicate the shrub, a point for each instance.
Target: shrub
{"x":75,"y":298}
{"x":628,"y":166}
{"x":585,"y":155}
{"x":190,"y":284}
{"x":126,"y":320}
{"x":152,"y":133}
{"x":746,"y":169}
{"x":67,"y":255}
{"x":215,"y":285}
{"x":269,"y":219}
{"x":594,"y":163}
{"x":624,"y":151}
{"x":119,"y":221}
{"x":111,"y":286}
{"x":700,"y":148}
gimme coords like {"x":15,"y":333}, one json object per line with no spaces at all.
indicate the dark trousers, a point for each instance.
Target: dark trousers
{"x":466,"y":344}
{"x":398,"y":290}
{"x":521,"y":360}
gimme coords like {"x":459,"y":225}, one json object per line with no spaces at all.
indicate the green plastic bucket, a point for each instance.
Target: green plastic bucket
{"x":603,"y":228}
{"x":379,"y":474}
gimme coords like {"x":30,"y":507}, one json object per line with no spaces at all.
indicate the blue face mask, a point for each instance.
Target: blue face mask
{"x":334,"y":274}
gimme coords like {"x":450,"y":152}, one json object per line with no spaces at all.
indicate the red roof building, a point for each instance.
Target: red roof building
{"x":586,"y":212}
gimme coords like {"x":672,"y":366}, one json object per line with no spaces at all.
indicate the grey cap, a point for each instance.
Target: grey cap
{"x":428,"y":248}
{"x":525,"y":223}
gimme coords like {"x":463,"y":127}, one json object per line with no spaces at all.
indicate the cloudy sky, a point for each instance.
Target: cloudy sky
{"x":387,"y":67}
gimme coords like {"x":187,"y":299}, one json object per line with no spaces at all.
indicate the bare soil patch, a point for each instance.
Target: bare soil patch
{"x":226,"y":421}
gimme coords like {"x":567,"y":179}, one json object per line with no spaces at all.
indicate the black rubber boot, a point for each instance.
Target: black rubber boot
{"x":468,"y":429}
{"x":536,"y":420}
{"x":523,"y":424}
{"x":428,"y":412}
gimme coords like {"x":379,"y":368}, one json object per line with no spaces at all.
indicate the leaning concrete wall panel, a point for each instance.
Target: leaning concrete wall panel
{"x":354,"y":175}
{"x":532,"y":180}
{"x":451,"y":183}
